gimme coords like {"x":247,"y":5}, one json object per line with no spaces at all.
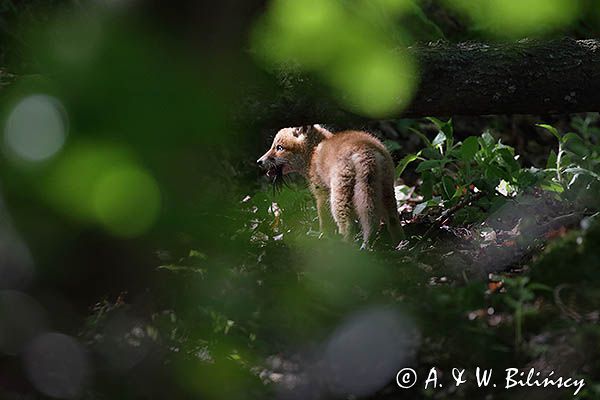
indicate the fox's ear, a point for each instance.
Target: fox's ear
{"x":302,"y":130}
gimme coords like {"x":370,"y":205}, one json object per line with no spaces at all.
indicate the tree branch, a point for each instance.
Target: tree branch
{"x":526,"y":77}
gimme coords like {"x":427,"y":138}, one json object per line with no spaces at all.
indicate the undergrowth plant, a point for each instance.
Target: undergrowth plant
{"x":575,"y":165}
{"x":520,"y":292}
{"x":449,"y":169}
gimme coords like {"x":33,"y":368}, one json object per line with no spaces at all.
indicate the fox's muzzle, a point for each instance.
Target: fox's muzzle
{"x":271,"y":164}
{"x":265,"y":160}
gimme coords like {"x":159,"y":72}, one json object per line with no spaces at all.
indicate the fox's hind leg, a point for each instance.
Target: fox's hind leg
{"x":365,"y":198}
{"x":367,"y":195}
{"x":342,"y":189}
{"x":322,"y":199}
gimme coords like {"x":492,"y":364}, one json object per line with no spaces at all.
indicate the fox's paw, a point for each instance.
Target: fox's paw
{"x":366,"y":247}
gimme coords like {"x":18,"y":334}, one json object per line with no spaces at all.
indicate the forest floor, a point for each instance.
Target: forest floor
{"x":498,"y":272}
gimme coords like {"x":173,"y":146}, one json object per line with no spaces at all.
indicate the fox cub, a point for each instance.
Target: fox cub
{"x":351,"y":174}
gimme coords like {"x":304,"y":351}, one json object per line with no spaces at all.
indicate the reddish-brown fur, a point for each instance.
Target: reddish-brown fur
{"x":351,"y":176}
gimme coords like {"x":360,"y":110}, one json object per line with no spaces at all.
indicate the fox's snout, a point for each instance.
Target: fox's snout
{"x":264,"y":160}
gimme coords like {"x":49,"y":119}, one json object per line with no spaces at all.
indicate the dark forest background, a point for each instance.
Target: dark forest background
{"x":143,"y":255}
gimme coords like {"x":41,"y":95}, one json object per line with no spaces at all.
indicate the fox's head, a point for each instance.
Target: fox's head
{"x":292,"y":150}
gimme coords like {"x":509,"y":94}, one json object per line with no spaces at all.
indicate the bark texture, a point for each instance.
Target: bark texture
{"x":526,"y":77}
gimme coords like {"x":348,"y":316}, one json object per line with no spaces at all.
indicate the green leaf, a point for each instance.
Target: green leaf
{"x":429,"y":165}
{"x":432,"y":153}
{"x":449,"y":186}
{"x":469,"y":148}
{"x":529,"y":177}
{"x":404,"y":163}
{"x":422,"y":136}
{"x":552,"y":187}
{"x":454,"y":153}
{"x":460,"y":190}
{"x":445,"y":127}
{"x":419,"y":208}
{"x":576,"y":144}
{"x":571,"y":136}
{"x":552,"y":159}
{"x":539,"y":286}
{"x":582,"y":171}
{"x":508,"y":159}
{"x":494,"y":172}
{"x":551,"y":129}
{"x":439,"y":139}
{"x":427,"y":185}
{"x":487,"y":139}
{"x":434,"y":201}
{"x":197,"y":254}
{"x":438,"y":122}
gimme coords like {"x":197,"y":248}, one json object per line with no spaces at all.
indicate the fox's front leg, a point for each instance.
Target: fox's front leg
{"x":322,"y":199}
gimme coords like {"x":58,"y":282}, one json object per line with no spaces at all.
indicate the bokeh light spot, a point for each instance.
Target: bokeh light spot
{"x":383,"y":87}
{"x":16,"y":267}
{"x":126,"y":201}
{"x":36,"y":128}
{"x":365,"y":352}
{"x":72,"y":181}
{"x":124,"y":342}
{"x":343,"y":48}
{"x":21,"y":318}
{"x":284,"y":41}
{"x":57,"y":365}
{"x":519,"y":18}
{"x":16,"y":264}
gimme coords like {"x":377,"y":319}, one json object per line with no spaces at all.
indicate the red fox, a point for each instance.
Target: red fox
{"x":350,"y":173}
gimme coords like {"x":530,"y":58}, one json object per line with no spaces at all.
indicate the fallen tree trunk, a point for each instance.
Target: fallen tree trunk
{"x":526,"y":77}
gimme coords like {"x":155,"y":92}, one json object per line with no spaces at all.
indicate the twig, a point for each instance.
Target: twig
{"x":465,"y":202}
{"x":448,"y":213}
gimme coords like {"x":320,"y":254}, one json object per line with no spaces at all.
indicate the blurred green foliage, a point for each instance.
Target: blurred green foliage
{"x":350,"y":45}
{"x":519,"y":18}
{"x":153,"y":192}
{"x":356,"y":47}
{"x":102,"y":183}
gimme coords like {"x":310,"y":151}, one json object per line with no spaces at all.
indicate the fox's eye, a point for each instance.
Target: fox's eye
{"x":279,"y":147}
